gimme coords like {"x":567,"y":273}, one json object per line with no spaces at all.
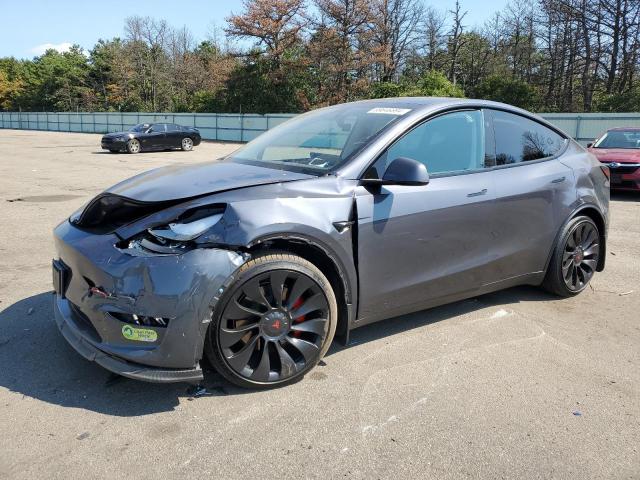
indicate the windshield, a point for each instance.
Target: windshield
{"x":320,"y":141}
{"x":619,"y":139}
{"x":141,"y":127}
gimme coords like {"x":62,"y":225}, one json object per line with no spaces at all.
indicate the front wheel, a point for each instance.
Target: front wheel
{"x":187,"y":144}
{"x":133,"y":146}
{"x":274,"y":322}
{"x":574,"y":259}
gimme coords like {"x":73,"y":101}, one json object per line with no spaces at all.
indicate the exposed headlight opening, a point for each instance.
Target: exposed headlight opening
{"x":184,"y":232}
{"x":175,"y":237}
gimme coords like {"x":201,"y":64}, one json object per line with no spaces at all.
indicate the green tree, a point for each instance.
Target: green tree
{"x":431,"y":84}
{"x":508,"y":90}
{"x":628,"y":101}
{"x":255,"y":87}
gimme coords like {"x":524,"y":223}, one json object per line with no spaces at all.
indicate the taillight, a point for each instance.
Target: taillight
{"x":606,"y":171}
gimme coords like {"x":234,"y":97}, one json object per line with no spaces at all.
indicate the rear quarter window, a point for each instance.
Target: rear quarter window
{"x":519,"y":139}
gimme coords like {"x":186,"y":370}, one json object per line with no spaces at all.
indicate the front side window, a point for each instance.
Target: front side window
{"x":449,"y":143}
{"x":141,"y":127}
{"x":157,"y":128}
{"x":519,"y":139}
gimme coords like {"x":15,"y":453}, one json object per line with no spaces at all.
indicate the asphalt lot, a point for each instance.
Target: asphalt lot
{"x":516,"y":384}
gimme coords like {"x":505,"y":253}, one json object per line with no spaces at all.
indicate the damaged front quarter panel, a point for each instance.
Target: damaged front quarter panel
{"x":183,"y":281}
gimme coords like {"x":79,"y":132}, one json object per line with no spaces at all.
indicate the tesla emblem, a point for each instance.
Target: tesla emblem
{"x":614,"y":165}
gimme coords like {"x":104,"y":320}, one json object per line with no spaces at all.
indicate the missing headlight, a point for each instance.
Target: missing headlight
{"x":175,"y":237}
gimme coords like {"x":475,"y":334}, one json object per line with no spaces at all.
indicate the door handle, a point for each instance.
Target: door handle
{"x":478,"y":194}
{"x":559,"y":180}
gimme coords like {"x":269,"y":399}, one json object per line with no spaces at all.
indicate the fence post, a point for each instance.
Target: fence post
{"x":578,"y":122}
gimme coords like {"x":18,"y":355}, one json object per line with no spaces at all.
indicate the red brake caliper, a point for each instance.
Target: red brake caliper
{"x":299,"y":319}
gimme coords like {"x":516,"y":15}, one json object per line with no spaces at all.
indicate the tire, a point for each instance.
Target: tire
{"x":575,"y":258}
{"x":257,"y":337}
{"x":186,"y":144}
{"x":133,"y":146}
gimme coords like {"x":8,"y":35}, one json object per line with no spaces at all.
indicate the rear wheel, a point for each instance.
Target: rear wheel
{"x":575,"y":258}
{"x":133,"y":146}
{"x":274,"y":323}
{"x":187,"y":144}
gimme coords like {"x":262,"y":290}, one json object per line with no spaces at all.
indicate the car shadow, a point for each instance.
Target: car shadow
{"x":396,"y":325}
{"x":104,"y":152}
{"x":38,"y":363}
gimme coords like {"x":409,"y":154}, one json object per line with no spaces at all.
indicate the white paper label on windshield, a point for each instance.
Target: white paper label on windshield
{"x":390,"y":111}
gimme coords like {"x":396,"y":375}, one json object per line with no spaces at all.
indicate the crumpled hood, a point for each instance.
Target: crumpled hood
{"x":621,"y":155}
{"x":182,"y":182}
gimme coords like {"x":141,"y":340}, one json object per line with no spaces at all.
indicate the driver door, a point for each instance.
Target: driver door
{"x":155,"y":137}
{"x":423,"y":245}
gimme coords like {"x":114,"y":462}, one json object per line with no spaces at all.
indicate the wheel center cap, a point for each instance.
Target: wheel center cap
{"x":578,"y":257}
{"x":275,"y":324}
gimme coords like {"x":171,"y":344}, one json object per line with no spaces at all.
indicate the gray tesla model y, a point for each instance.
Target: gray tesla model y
{"x":338,"y":218}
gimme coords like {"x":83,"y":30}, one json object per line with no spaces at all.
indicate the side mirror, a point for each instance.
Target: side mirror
{"x":401,"y":171}
{"x":590,"y":144}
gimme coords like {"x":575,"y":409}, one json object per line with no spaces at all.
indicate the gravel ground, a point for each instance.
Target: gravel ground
{"x":515,"y":384}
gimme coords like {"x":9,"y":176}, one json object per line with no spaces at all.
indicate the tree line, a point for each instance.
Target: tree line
{"x":294,"y":55}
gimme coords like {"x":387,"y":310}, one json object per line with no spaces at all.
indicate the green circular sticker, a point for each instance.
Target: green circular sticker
{"x":139,"y":334}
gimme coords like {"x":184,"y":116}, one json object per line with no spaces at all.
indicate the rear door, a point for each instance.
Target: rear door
{"x":417,"y":244}
{"x":534,"y":193}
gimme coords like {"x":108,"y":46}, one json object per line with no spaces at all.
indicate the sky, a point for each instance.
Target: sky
{"x":29,"y":27}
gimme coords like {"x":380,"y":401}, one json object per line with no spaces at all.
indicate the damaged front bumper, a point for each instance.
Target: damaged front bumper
{"x":107,"y":295}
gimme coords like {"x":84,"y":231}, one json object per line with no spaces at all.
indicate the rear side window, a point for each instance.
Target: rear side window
{"x":518,"y":139}
{"x":171,"y":127}
{"x":453,"y":142}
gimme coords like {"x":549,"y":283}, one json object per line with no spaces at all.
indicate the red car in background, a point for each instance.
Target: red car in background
{"x":619,"y":149}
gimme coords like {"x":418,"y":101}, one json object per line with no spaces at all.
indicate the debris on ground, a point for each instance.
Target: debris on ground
{"x":577,"y":413}
{"x":198,"y":391}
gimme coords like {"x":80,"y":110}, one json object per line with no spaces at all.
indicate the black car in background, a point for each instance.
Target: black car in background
{"x":152,"y":136}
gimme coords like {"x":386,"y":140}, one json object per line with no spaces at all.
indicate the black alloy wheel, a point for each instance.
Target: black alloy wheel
{"x":277,"y":322}
{"x":580,"y":256}
{"x":575,"y":258}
